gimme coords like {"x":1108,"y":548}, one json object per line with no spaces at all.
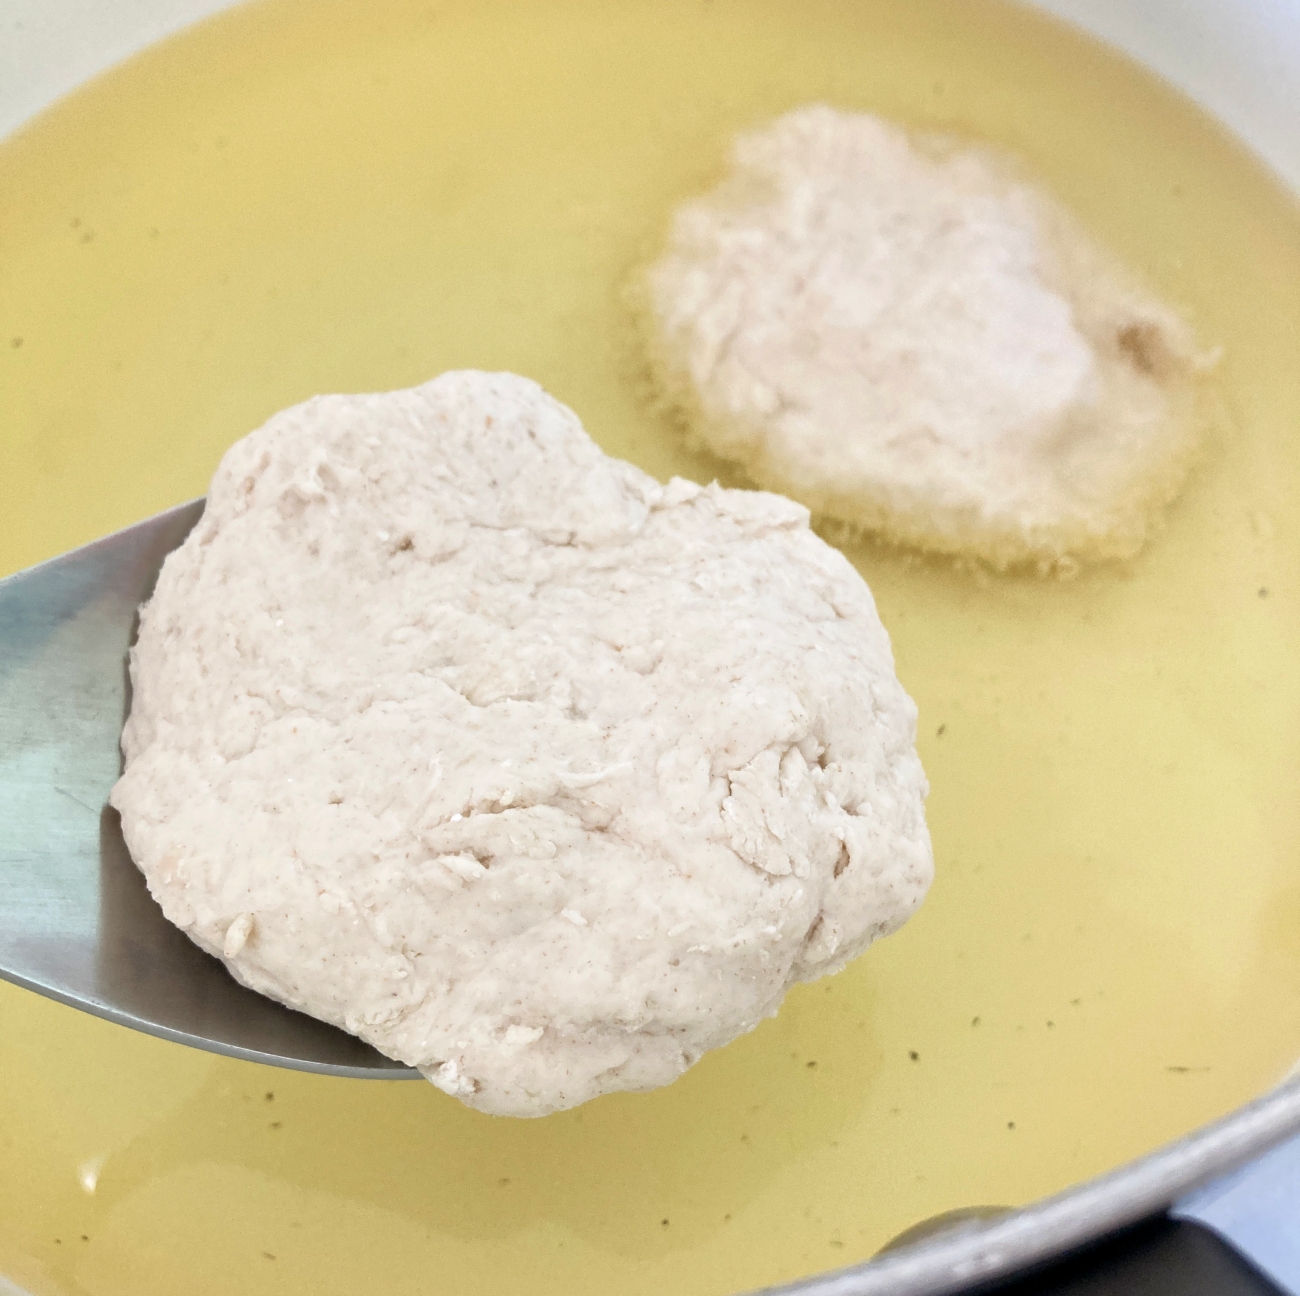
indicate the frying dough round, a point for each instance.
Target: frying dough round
{"x":538,"y":775}
{"x":903,"y":334}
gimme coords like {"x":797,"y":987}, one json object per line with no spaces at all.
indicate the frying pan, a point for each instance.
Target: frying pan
{"x":1241,"y":63}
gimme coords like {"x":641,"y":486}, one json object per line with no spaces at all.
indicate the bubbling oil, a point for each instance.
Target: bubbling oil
{"x":326,"y":195}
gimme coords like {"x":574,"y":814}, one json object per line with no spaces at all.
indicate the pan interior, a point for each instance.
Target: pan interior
{"x":326,"y":195}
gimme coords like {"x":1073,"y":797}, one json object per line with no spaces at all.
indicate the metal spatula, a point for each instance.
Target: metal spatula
{"x":76,"y":920}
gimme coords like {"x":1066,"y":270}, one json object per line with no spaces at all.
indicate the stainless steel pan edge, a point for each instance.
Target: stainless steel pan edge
{"x":983,"y":1252}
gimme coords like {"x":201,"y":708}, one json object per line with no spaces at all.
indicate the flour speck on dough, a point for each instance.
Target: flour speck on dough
{"x":536,"y":774}
{"x":904,"y":334}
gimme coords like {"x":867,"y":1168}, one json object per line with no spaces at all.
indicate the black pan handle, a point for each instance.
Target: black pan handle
{"x":1160,"y":1257}
{"x":1236,"y":1236}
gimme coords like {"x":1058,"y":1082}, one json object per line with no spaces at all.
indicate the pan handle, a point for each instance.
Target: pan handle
{"x":1237,"y":1236}
{"x":1257,"y":1210}
{"x":1161,"y":1257}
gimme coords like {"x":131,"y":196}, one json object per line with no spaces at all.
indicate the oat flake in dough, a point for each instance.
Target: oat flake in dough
{"x":538,"y":775}
{"x":903,"y":334}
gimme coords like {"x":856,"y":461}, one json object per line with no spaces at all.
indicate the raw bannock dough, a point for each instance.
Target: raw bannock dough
{"x":538,"y":775}
{"x":903,"y":334}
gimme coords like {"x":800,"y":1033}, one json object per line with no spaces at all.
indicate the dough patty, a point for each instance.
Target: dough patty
{"x":903,"y":334}
{"x":538,"y":775}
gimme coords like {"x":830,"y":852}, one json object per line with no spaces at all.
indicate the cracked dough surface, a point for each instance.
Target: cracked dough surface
{"x":905,"y":335}
{"x":538,"y":775}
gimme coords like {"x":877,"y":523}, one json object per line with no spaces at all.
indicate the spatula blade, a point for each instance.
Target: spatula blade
{"x":77,"y":922}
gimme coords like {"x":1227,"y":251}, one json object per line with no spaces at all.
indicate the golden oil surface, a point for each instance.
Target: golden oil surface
{"x":327,"y":195}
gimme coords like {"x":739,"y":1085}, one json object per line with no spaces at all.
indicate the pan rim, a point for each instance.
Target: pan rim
{"x":1052,"y":1227}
